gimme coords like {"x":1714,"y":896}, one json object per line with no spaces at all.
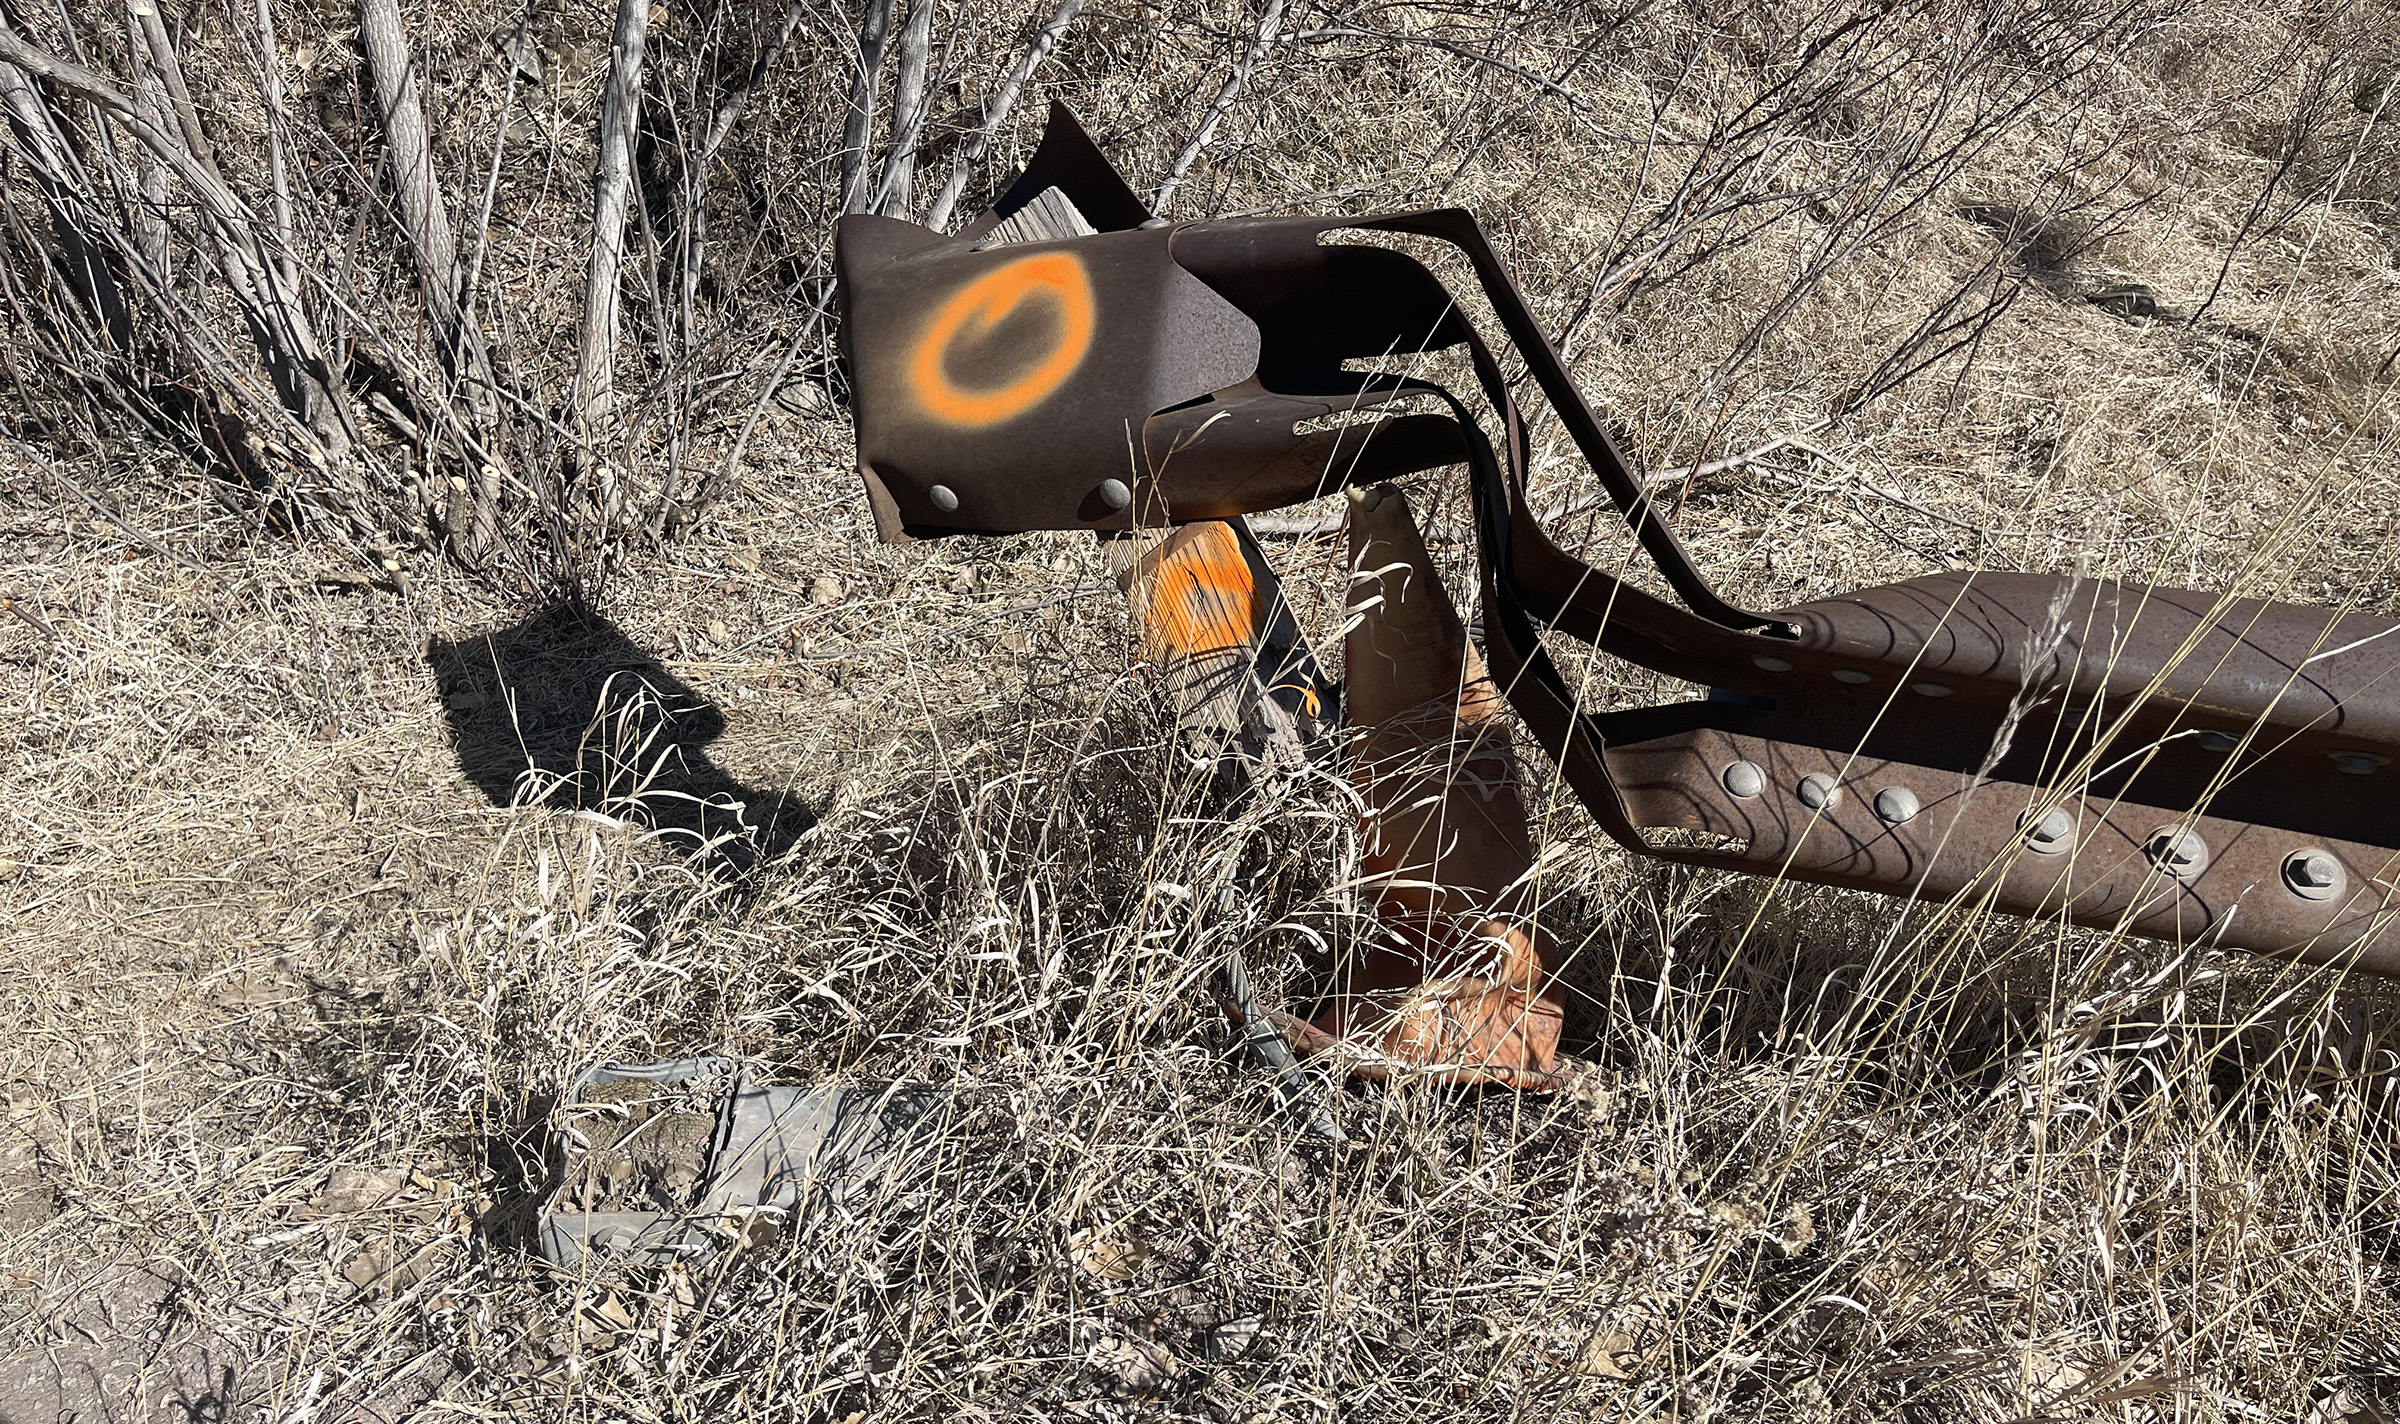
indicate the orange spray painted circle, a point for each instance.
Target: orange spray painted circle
{"x":983,"y":304}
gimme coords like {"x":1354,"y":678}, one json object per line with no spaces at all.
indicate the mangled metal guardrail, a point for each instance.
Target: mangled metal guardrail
{"x":2174,"y":764}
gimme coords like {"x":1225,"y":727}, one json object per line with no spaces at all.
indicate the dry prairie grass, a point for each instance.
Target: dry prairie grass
{"x":295,"y":964}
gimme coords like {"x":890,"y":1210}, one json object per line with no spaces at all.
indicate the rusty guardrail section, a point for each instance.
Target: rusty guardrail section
{"x":2172,"y":763}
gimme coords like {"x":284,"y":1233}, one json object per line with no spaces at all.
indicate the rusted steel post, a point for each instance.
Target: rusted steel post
{"x":1457,"y":980}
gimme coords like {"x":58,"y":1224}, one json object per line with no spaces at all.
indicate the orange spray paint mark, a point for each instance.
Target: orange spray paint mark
{"x":1202,"y":596}
{"x":984,"y":303}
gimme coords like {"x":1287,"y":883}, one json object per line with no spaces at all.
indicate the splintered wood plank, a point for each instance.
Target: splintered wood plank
{"x":1047,"y":216}
{"x":1213,"y":620}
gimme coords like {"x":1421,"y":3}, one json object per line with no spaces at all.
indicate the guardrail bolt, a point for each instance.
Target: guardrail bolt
{"x":1115,"y":494}
{"x":2358,"y":763}
{"x":1772,"y":663}
{"x":2312,"y":874}
{"x":2177,"y":851}
{"x":943,"y":498}
{"x":1896,"y":804}
{"x":2219,"y":741}
{"x":1853,"y":676}
{"x":2051,"y":832}
{"x":1744,"y":779}
{"x":1818,"y":791}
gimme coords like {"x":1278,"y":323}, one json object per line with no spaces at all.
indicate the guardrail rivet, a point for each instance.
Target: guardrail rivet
{"x":1896,"y":804}
{"x":1853,"y":676}
{"x":2312,"y":874}
{"x":943,"y":498}
{"x":1818,"y":791}
{"x":2359,"y":763}
{"x":1744,"y":779}
{"x":2219,"y":741}
{"x":1115,"y":494}
{"x":1930,"y":689}
{"x":2051,"y":832}
{"x":1772,"y":663}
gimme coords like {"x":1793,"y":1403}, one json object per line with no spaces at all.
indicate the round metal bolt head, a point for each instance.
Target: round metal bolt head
{"x":1772,"y":663}
{"x":2359,"y":763}
{"x":1818,"y":791}
{"x":2312,"y":874}
{"x":2177,"y":850}
{"x":1853,"y":676}
{"x":1115,"y":494}
{"x":1896,"y":804}
{"x":943,"y":498}
{"x":1930,"y":689}
{"x":1744,"y":779}
{"x":2052,"y":831}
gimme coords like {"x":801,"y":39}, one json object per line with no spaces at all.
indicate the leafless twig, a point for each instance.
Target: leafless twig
{"x":596,"y":347}
{"x":1262,"y":39}
{"x":893,"y":195}
{"x":874,"y":30}
{"x":996,"y":112}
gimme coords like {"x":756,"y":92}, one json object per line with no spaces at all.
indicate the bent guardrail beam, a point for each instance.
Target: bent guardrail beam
{"x":2171,"y":763}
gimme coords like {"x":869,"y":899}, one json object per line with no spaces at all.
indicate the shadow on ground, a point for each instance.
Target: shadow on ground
{"x":564,"y":710}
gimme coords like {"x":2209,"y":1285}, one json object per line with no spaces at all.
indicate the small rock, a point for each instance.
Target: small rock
{"x":1233,"y":1339}
{"x":963,"y":581}
{"x":355,"y":1189}
{"x":524,"y":55}
{"x":1611,"y":1354}
{"x":382,"y":1270}
{"x":2130,"y":300}
{"x":719,"y":634}
{"x":745,"y":560}
{"x":366,"y":1268}
{"x":825,"y":590}
{"x":805,"y":399}
{"x":1112,"y":1254}
{"x":1133,"y":1369}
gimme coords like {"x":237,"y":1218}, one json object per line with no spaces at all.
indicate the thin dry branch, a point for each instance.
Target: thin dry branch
{"x":996,"y":112}
{"x":1262,"y":39}
{"x":294,"y":353}
{"x":279,"y":181}
{"x":612,"y":190}
{"x":417,"y":190}
{"x":874,"y":30}
{"x":729,"y":110}
{"x":897,"y":189}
